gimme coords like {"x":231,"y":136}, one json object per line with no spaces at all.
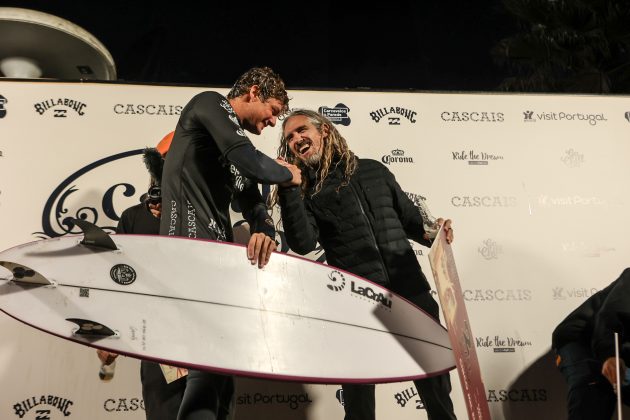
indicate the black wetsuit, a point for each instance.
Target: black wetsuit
{"x":211,"y":162}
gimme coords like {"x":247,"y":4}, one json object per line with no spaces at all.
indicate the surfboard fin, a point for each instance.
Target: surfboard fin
{"x":94,"y":235}
{"x":24,"y":274}
{"x":91,"y":328}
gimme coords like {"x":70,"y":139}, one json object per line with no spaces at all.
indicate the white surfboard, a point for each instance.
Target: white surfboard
{"x":200,"y":304}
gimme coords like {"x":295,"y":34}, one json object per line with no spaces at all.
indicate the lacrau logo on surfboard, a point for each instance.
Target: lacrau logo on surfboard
{"x":338,"y":281}
{"x":43,"y":406}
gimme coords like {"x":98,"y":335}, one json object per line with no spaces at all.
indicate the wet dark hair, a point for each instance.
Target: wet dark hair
{"x":269,"y":82}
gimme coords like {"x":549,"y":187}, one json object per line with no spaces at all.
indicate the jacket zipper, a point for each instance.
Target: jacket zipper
{"x":371,"y":229}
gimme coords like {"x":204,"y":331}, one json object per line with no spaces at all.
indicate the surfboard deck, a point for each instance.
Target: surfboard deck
{"x":200,"y":304}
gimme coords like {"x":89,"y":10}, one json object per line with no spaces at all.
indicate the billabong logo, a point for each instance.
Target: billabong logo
{"x":42,"y":403}
{"x":403,"y":397}
{"x":490,"y":249}
{"x":394,"y":112}
{"x":147,"y":109}
{"x":338,"y":114}
{"x":123,"y":274}
{"x":338,"y":281}
{"x":396,"y":156}
{"x":21,"y":272}
{"x":473,"y":116}
{"x":528,"y":116}
{"x":3,"y":111}
{"x":60,"y":107}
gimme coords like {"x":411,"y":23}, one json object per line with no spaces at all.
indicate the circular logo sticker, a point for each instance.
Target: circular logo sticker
{"x":123,"y":274}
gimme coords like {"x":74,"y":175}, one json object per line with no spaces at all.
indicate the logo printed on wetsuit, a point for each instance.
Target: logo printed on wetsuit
{"x":239,"y":180}
{"x":214,"y":227}
{"x":123,"y":274}
{"x":226,"y":105}
{"x":173,"y":221}
{"x":338,"y":281}
{"x":191,"y":221}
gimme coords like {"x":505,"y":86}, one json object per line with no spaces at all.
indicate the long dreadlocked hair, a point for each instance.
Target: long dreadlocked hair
{"x":335,"y":151}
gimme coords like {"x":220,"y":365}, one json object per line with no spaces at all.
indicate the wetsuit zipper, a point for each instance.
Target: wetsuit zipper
{"x":371,"y":229}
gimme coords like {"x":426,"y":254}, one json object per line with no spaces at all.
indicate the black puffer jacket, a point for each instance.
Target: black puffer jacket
{"x":363,"y":228}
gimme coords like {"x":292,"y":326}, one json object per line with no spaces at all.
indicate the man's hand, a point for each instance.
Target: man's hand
{"x":259,"y":249}
{"x":156,"y":209}
{"x":295,"y":171}
{"x":448,"y":230}
{"x":106,"y":357}
{"x":609,"y":370}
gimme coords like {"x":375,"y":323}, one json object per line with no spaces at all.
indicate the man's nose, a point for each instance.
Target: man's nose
{"x":272,"y":121}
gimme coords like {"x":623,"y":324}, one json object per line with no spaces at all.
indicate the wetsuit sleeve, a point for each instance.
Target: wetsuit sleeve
{"x":255,"y":211}
{"x":300,"y":226}
{"x":214,"y":113}
{"x":408,"y":213}
{"x":613,"y":316}
{"x":257,"y":166}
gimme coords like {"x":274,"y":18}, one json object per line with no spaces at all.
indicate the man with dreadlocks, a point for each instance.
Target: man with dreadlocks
{"x":210,"y":162}
{"x":361,"y":217}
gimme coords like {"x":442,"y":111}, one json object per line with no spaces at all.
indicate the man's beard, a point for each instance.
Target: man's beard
{"x":313,"y":160}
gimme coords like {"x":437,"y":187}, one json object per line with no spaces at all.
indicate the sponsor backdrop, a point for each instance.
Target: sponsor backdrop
{"x":536,"y":186}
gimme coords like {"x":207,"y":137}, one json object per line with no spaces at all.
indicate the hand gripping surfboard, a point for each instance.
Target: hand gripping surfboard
{"x":200,"y":304}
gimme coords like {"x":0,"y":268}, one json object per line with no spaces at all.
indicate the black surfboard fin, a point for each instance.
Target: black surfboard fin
{"x":24,"y":274}
{"x":94,"y":235}
{"x":91,"y":329}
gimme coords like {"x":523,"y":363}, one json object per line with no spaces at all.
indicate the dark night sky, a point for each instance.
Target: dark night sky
{"x":424,"y":45}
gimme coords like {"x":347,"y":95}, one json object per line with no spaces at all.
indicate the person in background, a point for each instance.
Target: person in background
{"x":584,"y":343}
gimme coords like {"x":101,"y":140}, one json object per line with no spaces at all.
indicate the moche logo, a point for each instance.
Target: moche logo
{"x":338,"y":114}
{"x":60,"y":107}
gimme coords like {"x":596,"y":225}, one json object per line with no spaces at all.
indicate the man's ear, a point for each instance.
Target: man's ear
{"x":254,"y":93}
{"x":325,"y":130}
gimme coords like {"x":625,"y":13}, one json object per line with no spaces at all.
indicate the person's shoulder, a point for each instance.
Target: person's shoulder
{"x":372,"y":164}
{"x":209,"y":97}
{"x":130,"y":212}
